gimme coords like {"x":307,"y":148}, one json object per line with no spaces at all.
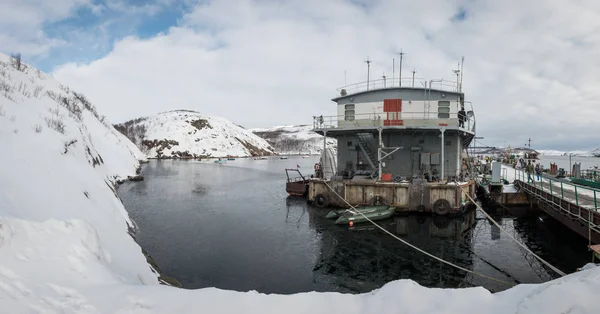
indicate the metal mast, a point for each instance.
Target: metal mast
{"x":368,"y":62}
{"x":401,"y":54}
{"x":462,"y":62}
{"x":413,"y":81}
{"x":393,"y":70}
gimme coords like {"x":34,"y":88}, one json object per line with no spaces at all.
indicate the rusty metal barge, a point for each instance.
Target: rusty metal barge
{"x":401,"y":142}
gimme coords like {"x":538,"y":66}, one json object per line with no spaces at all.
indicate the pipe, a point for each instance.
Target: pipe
{"x":379,"y":153}
{"x":443,"y":161}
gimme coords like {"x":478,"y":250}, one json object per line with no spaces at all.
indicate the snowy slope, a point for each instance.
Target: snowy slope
{"x":184,"y":133}
{"x":65,"y":248}
{"x":294,"y":139}
{"x":60,"y":219}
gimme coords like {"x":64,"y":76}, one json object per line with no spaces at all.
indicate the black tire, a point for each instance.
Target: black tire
{"x":442,"y":207}
{"x":377,"y":199}
{"x":321,"y":200}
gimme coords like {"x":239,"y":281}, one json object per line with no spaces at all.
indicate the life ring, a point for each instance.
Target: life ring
{"x":442,"y":207}
{"x":378,"y":199}
{"x":316,"y":167}
{"x":321,"y":200}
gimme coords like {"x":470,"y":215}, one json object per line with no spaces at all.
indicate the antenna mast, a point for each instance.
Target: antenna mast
{"x":413,"y":81}
{"x":401,"y":54}
{"x":383,"y":76}
{"x":393,"y":70}
{"x":462,"y":63}
{"x":368,"y":62}
{"x":457,"y":72}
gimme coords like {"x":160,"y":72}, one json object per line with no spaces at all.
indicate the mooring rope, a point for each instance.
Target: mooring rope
{"x":558,"y":271}
{"x":416,"y":248}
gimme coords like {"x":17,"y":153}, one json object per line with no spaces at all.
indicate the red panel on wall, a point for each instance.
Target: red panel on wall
{"x":392,"y":105}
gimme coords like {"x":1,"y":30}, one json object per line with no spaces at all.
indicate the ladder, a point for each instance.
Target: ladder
{"x":364,"y":142}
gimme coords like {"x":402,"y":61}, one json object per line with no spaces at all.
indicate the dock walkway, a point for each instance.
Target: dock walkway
{"x":573,"y":205}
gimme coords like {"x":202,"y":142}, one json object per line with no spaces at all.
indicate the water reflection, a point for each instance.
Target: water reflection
{"x":363,"y":257}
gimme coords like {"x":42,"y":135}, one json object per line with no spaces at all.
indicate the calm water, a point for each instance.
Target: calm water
{"x":232,"y":226}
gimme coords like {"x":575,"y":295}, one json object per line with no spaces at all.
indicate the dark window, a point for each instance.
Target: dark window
{"x":448,"y":143}
{"x":349,"y":143}
{"x":422,"y":141}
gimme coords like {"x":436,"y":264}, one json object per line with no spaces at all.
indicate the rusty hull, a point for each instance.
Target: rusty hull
{"x":406,"y":197}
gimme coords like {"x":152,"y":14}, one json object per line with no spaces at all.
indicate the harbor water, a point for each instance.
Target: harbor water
{"x":231,"y":225}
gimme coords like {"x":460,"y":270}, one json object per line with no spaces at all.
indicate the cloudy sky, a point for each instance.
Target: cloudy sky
{"x":532,"y":68}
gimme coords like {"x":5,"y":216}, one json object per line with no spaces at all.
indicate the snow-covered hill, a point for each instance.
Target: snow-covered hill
{"x":185,"y":133}
{"x":294,"y":139}
{"x":62,"y":225}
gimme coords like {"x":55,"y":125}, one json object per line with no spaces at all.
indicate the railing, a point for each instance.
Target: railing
{"x":406,"y":119}
{"x":590,"y":174}
{"x":450,"y":86}
{"x":576,"y":194}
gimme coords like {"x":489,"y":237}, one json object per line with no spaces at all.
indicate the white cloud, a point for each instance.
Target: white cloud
{"x":22,"y":23}
{"x":530,"y":66}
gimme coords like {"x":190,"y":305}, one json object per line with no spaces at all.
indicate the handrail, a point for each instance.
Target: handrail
{"x":410,"y":119}
{"x":578,"y":190}
{"x":407,"y":82}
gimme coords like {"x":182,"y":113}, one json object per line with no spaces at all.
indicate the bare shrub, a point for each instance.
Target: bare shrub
{"x":22,"y":88}
{"x":86,"y":104}
{"x":52,"y":95}
{"x":5,"y":87}
{"x":67,"y":144}
{"x":37,"y":91}
{"x":55,"y":121}
{"x":72,"y":106}
{"x":2,"y":112}
{"x":64,"y":88}
{"x":13,"y":118}
{"x":15,"y":61}
{"x":37,"y":128}
{"x":16,"y":131}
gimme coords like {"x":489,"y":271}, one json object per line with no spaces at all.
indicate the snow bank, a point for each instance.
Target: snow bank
{"x":583,"y":153}
{"x":295,"y":139}
{"x":64,"y":246}
{"x":185,"y":133}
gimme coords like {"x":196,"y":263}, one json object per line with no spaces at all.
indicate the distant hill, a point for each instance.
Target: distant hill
{"x":294,"y":139}
{"x":189,"y":134}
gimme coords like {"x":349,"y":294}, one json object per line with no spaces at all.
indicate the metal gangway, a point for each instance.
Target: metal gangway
{"x":575,"y":206}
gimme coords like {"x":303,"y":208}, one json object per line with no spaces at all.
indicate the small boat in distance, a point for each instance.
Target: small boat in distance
{"x":260,"y":158}
{"x":230,"y":158}
{"x":283,"y":157}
